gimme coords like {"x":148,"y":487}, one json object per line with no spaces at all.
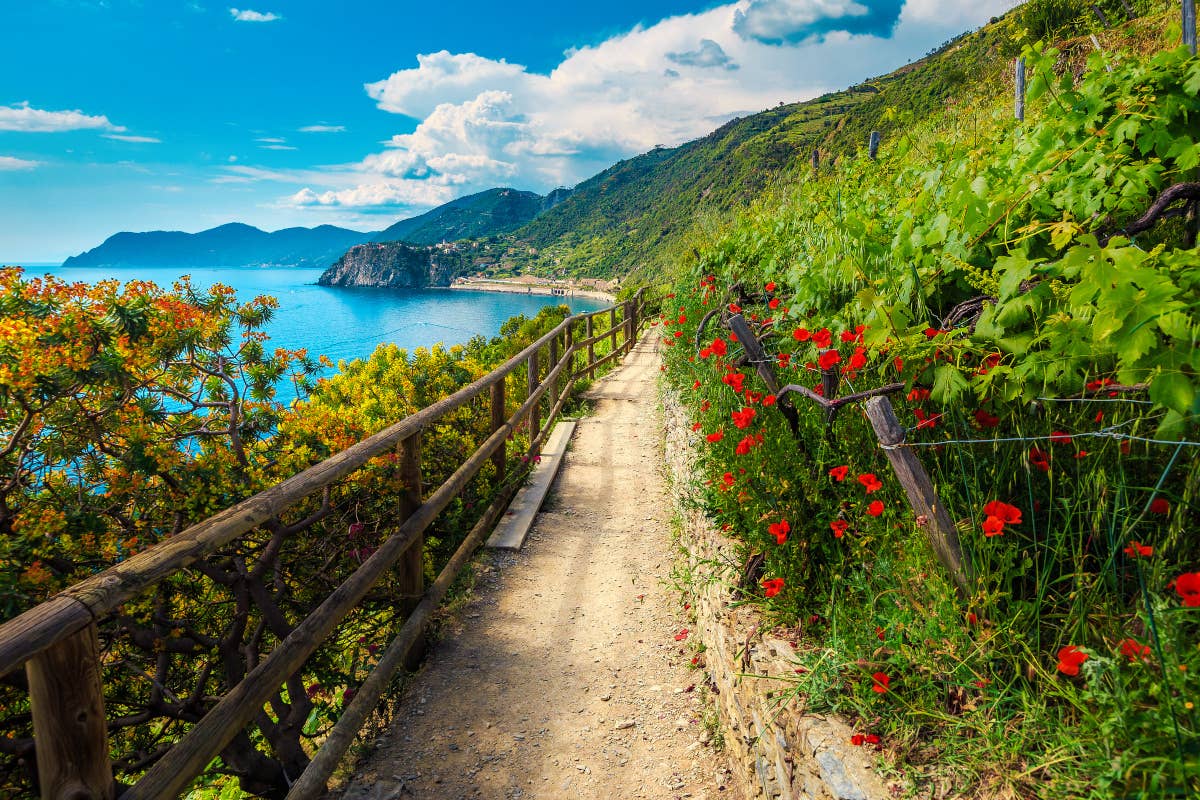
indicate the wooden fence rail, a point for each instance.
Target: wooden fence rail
{"x":56,"y":641}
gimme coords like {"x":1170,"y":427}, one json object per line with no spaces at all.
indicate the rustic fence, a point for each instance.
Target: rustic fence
{"x":58,"y":641}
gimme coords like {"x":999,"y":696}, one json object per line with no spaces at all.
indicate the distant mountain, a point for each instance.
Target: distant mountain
{"x":487,"y":213}
{"x":232,"y":245}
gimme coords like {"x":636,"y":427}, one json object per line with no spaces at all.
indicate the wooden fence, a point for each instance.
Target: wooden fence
{"x":58,"y":644}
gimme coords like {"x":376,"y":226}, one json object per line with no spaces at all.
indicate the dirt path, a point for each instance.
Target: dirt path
{"x":564,"y":677}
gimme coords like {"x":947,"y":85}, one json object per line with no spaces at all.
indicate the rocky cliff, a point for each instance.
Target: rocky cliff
{"x":396,"y":265}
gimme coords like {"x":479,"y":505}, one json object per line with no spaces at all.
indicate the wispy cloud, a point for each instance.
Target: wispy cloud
{"x":10,"y":163}
{"x":323,"y":129}
{"x":271,"y":140}
{"x":246,"y":15}
{"x":276,"y":147}
{"x":21,"y":117}
{"x":121,"y":137}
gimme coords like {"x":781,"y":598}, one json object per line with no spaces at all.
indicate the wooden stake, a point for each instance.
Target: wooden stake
{"x":1100,"y":15}
{"x":1189,"y":25}
{"x":931,"y":512}
{"x":873,"y":145}
{"x":591,"y":351}
{"x":499,"y":417}
{"x":67,"y":701}
{"x":816,"y":159}
{"x":535,"y":423}
{"x":410,"y":569}
{"x":1019,"y":100}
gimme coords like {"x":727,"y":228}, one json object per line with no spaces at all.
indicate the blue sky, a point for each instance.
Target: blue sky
{"x":185,"y":114}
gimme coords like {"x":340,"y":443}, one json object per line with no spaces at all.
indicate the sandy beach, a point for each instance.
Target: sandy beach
{"x":527,"y":287}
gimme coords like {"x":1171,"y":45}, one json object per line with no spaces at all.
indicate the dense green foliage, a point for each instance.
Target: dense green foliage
{"x":486,"y":213}
{"x":1050,"y":409}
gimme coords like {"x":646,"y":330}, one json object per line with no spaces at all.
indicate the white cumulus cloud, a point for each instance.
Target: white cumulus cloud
{"x":483,"y":122}
{"x":22,"y":117}
{"x":246,"y":15}
{"x":11,"y":163}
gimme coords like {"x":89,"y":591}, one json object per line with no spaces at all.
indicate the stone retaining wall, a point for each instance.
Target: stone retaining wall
{"x":783,"y":753}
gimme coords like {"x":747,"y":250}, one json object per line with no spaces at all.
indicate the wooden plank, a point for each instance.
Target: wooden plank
{"x":612,"y":327}
{"x":67,"y":700}
{"x":551,"y":382}
{"x":931,"y":512}
{"x":514,"y":526}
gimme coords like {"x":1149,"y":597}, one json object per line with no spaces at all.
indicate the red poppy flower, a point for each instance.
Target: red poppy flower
{"x":734,"y":308}
{"x":876,"y":508}
{"x":847,"y":336}
{"x":697,"y":426}
{"x":924,"y":420}
{"x":839,"y":527}
{"x":1099,"y":416}
{"x":727,"y":479}
{"x":696,"y":385}
{"x":719,"y":347}
{"x":839,"y":473}
{"x":1137,"y":549}
{"x":1134,"y":650}
{"x":931,"y":332}
{"x":801,"y":334}
{"x":859,"y":359}
{"x":870,"y":482}
{"x":1039,"y":459}
{"x":772,"y":586}
{"x":1187,"y":586}
{"x":993,"y":526}
{"x":881,"y":682}
{"x":982,"y":684}
{"x":880,"y":633}
{"x":1081,"y":454}
{"x":768,"y":401}
{"x":743,"y":418}
{"x":872,"y":738}
{"x":1069,"y":659}
{"x":355,"y":529}
{"x":779,"y":530}
{"x":784,"y":359}
{"x":985,"y":420}
{"x":917,"y":395}
{"x":972,"y":618}
{"x":770,"y":287}
{"x":716,"y":437}
{"x":683,"y":634}
{"x":773,"y":304}
{"x":1010,"y":515}
{"x":1159,"y":505}
{"x":706,"y":352}
{"x":1060,"y":437}
{"x":829,"y":359}
{"x":857,"y":740}
{"x":705,"y":406}
{"x":745,"y":446}
{"x":823,"y":338}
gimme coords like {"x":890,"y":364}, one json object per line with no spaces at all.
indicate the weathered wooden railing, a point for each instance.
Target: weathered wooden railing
{"x":57,"y":641}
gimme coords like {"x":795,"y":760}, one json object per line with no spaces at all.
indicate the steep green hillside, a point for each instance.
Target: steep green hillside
{"x":487,"y":213}
{"x":634,"y":216}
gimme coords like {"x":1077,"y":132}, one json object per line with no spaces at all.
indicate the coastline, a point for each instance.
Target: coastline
{"x":514,"y":287}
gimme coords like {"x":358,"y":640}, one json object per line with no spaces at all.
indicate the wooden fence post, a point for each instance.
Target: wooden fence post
{"x":931,"y":512}
{"x":1189,"y":24}
{"x":612,"y":324}
{"x":627,"y":320}
{"x":831,"y":379}
{"x":1019,"y":99}
{"x":873,"y":145}
{"x":1129,"y":13}
{"x":552,"y":392}
{"x":535,"y":423}
{"x":816,"y":159}
{"x":568,"y":349}
{"x":67,"y":701}
{"x":1100,"y":15}
{"x":591,"y":356}
{"x":499,"y":418}
{"x":411,"y":567}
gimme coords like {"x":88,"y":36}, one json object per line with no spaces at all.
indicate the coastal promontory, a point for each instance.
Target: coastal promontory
{"x":397,"y":265}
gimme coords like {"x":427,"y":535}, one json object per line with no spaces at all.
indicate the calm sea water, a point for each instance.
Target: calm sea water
{"x":349,"y":323}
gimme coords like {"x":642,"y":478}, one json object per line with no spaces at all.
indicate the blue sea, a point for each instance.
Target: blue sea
{"x":348,"y":323}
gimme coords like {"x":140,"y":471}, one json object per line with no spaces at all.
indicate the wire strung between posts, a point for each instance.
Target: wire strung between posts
{"x":1107,"y":433}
